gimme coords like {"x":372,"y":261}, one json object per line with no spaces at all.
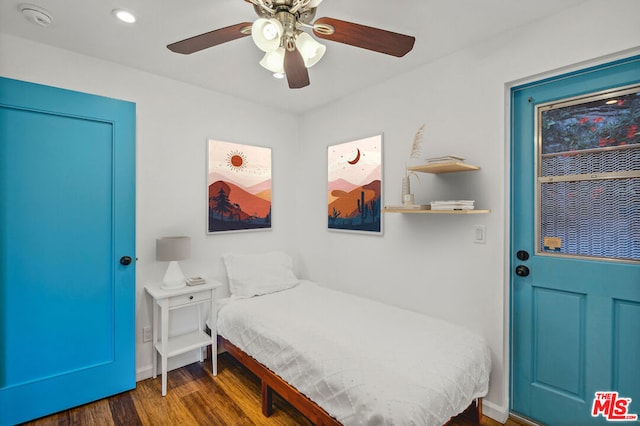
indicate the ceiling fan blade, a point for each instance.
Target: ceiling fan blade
{"x":297,"y":73}
{"x":210,"y":39}
{"x":365,"y":37}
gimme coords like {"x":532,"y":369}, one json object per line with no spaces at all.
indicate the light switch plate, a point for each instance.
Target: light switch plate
{"x":480,"y":234}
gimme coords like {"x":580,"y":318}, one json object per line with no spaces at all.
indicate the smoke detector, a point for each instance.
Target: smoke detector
{"x":35,"y":14}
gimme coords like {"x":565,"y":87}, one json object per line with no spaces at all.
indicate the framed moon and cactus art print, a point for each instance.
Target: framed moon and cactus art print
{"x":355,"y":186}
{"x":238,"y":187}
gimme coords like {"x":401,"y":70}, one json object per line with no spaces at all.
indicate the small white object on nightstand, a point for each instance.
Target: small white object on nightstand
{"x":195,"y":281}
{"x":167,"y":300}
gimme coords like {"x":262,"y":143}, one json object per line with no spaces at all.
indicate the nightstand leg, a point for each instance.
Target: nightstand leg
{"x":164,"y":318}
{"x":200,"y":329}
{"x":214,"y":333}
{"x":154,"y":340}
{"x":164,"y":375}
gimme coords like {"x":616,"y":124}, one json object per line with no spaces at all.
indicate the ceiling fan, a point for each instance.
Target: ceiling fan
{"x":288,"y":49}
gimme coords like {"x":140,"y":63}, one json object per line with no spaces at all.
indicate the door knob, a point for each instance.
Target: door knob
{"x":125,"y":260}
{"x":522,"y":271}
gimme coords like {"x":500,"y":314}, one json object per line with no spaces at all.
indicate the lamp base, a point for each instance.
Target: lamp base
{"x":173,"y":278}
{"x":173,"y":286}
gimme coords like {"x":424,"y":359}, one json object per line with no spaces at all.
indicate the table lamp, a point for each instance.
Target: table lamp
{"x":173,"y":249}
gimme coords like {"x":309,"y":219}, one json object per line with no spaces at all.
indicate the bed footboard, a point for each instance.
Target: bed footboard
{"x":272,"y":382}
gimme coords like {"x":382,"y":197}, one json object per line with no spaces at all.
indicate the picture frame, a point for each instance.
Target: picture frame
{"x":238,"y":187}
{"x":354,"y":186}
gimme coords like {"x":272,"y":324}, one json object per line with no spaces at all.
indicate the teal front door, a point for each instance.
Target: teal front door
{"x":67,"y":249}
{"x":575,"y":247}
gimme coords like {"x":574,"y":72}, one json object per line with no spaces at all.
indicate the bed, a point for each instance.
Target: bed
{"x":342,"y":359}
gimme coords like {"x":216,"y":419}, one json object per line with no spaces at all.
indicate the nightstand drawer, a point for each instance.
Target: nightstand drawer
{"x":184,"y":299}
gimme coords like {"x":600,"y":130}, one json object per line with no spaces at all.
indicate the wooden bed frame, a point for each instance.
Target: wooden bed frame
{"x":272,"y":382}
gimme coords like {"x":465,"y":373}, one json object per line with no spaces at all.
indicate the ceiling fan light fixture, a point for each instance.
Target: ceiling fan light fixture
{"x":266,"y":34}
{"x":280,"y":29}
{"x":274,"y":61}
{"x":310,"y":49}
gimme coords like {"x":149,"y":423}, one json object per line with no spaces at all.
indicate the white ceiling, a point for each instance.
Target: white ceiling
{"x":440,"y":27}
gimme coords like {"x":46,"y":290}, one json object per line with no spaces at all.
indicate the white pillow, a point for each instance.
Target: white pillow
{"x":257,"y":274}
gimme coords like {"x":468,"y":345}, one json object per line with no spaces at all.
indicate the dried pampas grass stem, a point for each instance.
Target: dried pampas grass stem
{"x":417,"y":143}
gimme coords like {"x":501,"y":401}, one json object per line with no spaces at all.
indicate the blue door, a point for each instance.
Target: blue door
{"x":67,"y":218}
{"x":575,"y":243}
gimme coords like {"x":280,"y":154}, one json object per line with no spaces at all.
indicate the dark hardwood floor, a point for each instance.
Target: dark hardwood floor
{"x":195,"y":397}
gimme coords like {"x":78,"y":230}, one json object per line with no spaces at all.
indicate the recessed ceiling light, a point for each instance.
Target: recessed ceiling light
{"x":124,"y":16}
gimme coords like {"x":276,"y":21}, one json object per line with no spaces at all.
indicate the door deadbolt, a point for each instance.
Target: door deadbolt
{"x":522,"y":255}
{"x":125,"y":260}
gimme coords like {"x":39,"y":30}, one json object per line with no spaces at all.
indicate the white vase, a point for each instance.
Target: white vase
{"x":407,"y":196}
{"x":406,"y":186}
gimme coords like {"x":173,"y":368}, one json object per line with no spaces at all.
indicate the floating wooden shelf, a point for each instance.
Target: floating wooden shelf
{"x":416,"y":211}
{"x":454,"y":166}
{"x":435,"y":168}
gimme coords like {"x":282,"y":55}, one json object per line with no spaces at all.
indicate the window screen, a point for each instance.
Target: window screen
{"x":588,"y":183}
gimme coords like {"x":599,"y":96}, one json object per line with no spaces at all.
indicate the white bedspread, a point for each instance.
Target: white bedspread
{"x":364,"y":362}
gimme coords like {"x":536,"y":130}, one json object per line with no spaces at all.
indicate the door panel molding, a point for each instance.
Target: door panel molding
{"x":626,"y":346}
{"x":562,"y":344}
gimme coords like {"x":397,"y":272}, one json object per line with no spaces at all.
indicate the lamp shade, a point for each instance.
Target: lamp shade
{"x":266,"y":33}
{"x":310,"y":49}
{"x":274,"y":60}
{"x":173,"y":248}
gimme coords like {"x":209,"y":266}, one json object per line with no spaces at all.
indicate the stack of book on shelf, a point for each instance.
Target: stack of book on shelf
{"x":445,"y":159}
{"x":453,"y":205}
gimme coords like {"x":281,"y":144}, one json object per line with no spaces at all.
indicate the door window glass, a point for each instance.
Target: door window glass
{"x":588,"y":179}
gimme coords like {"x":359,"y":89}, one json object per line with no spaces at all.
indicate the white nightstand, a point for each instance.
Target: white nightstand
{"x":165,"y":301}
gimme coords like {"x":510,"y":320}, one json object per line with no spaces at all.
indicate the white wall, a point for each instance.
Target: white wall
{"x":430,"y":264}
{"x":174,"y":121}
{"x":424,"y":263}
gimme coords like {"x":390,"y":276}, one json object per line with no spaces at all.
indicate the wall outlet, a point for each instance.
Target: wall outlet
{"x":146,"y":334}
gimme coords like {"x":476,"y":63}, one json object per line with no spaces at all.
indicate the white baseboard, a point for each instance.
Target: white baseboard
{"x":144,"y":373}
{"x":497,"y":413}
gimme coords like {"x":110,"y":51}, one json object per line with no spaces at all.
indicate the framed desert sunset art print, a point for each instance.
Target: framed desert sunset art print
{"x":355,"y":185}
{"x":238,"y":187}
